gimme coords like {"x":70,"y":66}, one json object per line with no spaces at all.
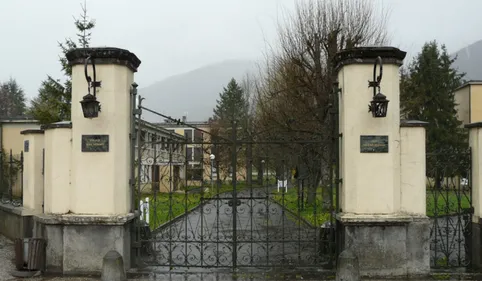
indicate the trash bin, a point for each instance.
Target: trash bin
{"x":326,"y":239}
{"x":30,"y":254}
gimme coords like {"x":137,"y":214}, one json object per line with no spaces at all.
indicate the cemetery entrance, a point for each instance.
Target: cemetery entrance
{"x":215,"y":197}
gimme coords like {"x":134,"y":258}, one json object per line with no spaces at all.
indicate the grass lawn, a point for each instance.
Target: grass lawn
{"x":167,"y":206}
{"x":440,"y":203}
{"x":311,"y":213}
{"x":447,"y":202}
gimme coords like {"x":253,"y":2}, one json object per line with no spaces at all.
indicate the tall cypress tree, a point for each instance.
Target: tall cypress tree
{"x":53,"y":101}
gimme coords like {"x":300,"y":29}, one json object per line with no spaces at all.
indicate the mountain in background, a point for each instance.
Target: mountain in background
{"x":193,"y":93}
{"x":469,"y":60}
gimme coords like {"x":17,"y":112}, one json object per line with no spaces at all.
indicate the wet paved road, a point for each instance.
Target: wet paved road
{"x":266,"y":235}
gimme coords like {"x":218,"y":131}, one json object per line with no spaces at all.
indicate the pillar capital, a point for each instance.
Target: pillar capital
{"x":413,"y":124}
{"x":475,"y":125}
{"x":368,"y":55}
{"x":104,"y":55}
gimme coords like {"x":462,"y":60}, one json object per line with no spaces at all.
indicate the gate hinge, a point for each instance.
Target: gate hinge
{"x":339,"y":180}
{"x":137,"y":111}
{"x":136,"y":245}
{"x":340,"y":135}
{"x":336,"y":89}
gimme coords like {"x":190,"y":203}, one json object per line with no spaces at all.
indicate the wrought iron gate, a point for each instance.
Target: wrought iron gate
{"x":229,"y":202}
{"x":449,"y":206}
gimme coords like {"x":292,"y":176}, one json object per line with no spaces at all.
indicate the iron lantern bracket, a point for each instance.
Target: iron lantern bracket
{"x":94,"y":84}
{"x":375,"y":83}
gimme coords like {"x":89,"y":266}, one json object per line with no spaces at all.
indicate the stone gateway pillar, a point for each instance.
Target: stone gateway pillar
{"x":382,"y":169}
{"x":88,"y":206}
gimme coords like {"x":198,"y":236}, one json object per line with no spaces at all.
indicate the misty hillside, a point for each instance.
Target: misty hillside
{"x":469,"y":60}
{"x":193,"y":92}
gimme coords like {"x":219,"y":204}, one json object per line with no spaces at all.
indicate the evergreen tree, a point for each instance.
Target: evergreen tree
{"x":427,"y":94}
{"x":12,"y":99}
{"x":232,"y":105}
{"x":54,"y":99}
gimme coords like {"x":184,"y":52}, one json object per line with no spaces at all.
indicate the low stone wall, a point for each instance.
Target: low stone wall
{"x":77,"y":243}
{"x":15,"y":222}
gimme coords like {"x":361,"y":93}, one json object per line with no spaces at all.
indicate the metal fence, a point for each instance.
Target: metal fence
{"x":11,"y":178}
{"x":233,"y":203}
{"x":449,"y":206}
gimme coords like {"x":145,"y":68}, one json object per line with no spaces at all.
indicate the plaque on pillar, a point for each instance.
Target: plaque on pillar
{"x":374,"y":144}
{"x":25,"y":145}
{"x":95,"y":143}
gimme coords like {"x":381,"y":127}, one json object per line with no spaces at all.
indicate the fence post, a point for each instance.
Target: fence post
{"x":2,"y":183}
{"x":21,"y":177}
{"x":141,"y":208}
{"x":475,"y":243}
{"x":33,"y":193}
{"x":147,"y":209}
{"x":10,"y":177}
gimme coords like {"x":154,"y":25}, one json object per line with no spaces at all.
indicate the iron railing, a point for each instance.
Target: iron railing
{"x":227,"y":212}
{"x":11,"y":178}
{"x":449,"y":206}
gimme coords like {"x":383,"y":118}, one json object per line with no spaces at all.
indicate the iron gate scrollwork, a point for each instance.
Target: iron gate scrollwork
{"x":230,"y":202}
{"x":449,"y":206}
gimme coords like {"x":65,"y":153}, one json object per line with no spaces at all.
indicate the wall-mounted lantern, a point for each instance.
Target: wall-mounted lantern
{"x":90,"y":104}
{"x":379,"y":104}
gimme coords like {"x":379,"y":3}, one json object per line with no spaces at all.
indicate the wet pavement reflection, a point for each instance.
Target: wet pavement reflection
{"x":264,"y":235}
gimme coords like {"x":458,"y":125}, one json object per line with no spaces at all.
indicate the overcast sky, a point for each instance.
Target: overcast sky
{"x":175,"y":36}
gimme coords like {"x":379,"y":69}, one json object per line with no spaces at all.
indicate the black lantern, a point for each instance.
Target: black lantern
{"x":90,"y":104}
{"x":379,"y":104}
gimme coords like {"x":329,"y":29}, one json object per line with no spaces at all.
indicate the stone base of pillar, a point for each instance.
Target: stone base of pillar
{"x":387,"y":245}
{"x":476,"y":244}
{"x":76,"y":244}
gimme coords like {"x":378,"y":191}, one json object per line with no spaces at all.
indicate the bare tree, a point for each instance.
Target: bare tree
{"x":294,"y":94}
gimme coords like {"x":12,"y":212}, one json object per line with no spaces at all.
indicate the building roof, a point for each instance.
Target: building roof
{"x":17,"y":119}
{"x":161,"y":129}
{"x":469,"y":83}
{"x":185,"y":125}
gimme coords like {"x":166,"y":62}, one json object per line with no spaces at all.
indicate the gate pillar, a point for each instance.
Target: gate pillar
{"x":97,"y":217}
{"x":33,"y":183}
{"x":382,"y":216}
{"x":475,"y":143}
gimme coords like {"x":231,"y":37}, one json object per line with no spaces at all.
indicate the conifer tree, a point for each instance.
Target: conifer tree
{"x":12,"y":99}
{"x":232,"y":106}
{"x":427,"y":94}
{"x":54,"y":99}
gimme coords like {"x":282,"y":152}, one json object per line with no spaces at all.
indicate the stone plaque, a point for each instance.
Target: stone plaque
{"x":25,"y":146}
{"x":374,"y":144}
{"x":95,"y":143}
